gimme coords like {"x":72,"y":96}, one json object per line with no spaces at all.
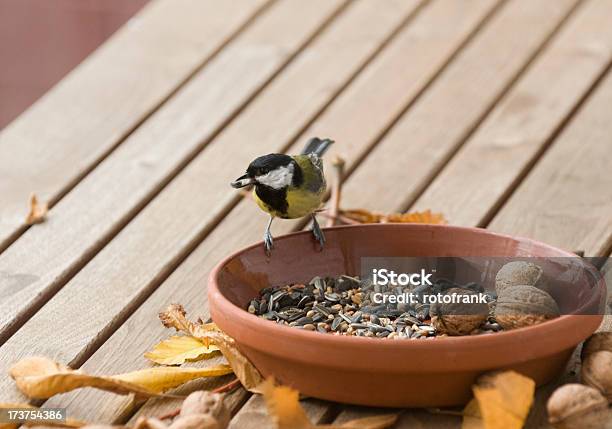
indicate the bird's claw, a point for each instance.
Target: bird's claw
{"x":268,"y":242}
{"x":318,"y":234}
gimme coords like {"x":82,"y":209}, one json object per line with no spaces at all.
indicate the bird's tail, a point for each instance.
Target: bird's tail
{"x":317,"y":146}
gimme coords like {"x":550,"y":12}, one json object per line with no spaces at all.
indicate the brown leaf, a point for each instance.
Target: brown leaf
{"x":503,"y":399}
{"x":38,"y":211}
{"x":68,"y":423}
{"x":175,"y":317}
{"x":245,"y":371}
{"x":177,"y":350}
{"x":365,"y":216}
{"x":284,"y":407}
{"x":41,"y":378}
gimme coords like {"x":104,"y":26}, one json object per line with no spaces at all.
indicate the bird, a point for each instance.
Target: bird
{"x":288,"y":187}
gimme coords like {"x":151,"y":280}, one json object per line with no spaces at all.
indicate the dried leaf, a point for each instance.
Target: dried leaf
{"x":362,"y":216}
{"x":68,"y":423}
{"x":503,"y":399}
{"x":175,"y":317}
{"x":249,"y":376}
{"x":415,"y":217}
{"x":38,"y":211}
{"x":177,"y":350}
{"x":365,"y":216}
{"x":41,"y":378}
{"x":284,"y":407}
{"x":245,"y":371}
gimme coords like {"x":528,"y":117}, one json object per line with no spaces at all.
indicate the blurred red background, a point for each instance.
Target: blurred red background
{"x":42,"y":40}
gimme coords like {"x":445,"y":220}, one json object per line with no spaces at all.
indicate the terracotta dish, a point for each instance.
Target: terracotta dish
{"x":390,"y":373}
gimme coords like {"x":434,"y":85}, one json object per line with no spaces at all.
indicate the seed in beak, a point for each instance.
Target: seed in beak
{"x":242,"y":181}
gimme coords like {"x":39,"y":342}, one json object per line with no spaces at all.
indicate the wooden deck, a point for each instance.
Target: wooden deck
{"x":493,"y":112}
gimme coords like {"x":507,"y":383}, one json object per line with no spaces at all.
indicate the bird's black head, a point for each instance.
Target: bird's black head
{"x":275,"y":170}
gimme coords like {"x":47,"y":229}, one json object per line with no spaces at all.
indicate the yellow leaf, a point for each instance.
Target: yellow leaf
{"x":179,"y":349}
{"x":249,"y":376}
{"x":37,"y":212}
{"x":284,"y":407}
{"x":68,"y":423}
{"x":504,"y":400}
{"x":41,"y":378}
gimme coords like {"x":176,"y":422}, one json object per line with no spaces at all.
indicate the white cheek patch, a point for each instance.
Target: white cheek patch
{"x":278,"y":178}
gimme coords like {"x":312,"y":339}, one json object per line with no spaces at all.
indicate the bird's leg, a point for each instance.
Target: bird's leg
{"x":317,"y":232}
{"x":267,"y":237}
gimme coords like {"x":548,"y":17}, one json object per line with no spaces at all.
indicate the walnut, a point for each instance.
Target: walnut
{"x":524,"y":305}
{"x":597,"y":372}
{"x":196,"y":421}
{"x":458,"y":318}
{"x":202,"y":402}
{"x":597,"y":342}
{"x":517,"y":273}
{"x":574,"y":406}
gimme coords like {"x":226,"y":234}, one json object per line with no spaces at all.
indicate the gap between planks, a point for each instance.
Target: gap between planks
{"x":41,"y":162}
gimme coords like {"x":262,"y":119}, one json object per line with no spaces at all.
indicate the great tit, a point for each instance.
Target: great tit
{"x":288,"y":187}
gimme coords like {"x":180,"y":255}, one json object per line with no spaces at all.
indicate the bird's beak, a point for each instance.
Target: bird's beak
{"x":242,"y":181}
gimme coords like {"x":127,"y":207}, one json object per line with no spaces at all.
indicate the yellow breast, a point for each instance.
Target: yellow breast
{"x":302,"y":202}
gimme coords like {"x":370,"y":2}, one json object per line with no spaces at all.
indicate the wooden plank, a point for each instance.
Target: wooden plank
{"x":567,"y":195}
{"x":219,"y":244}
{"x":160,"y":237}
{"x":84,"y":117}
{"x":45,"y":257}
{"x":429,"y":133}
{"x":521,"y":127}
